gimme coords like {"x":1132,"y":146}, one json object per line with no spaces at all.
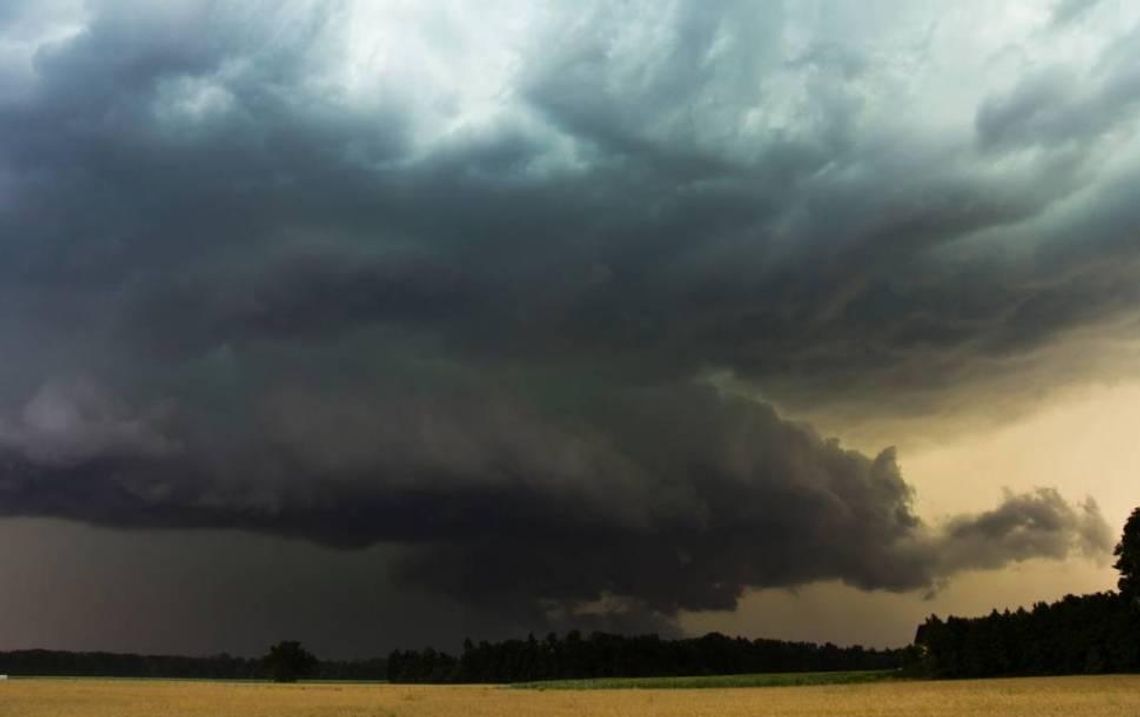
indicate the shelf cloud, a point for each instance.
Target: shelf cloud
{"x":490,"y":285}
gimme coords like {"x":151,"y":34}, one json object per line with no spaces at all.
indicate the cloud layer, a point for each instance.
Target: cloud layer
{"x":654,"y":501}
{"x":469,"y":282}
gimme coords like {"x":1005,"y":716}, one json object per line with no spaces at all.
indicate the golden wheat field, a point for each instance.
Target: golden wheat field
{"x":1029,"y":697}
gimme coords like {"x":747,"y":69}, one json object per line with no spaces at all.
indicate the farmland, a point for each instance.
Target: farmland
{"x":1025,"y":697}
{"x":769,"y":679}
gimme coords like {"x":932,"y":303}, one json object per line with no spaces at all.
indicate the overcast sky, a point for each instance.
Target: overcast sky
{"x":378,"y":324}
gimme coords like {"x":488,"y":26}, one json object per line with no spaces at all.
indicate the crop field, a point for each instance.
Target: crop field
{"x":770,"y":679}
{"x":1028,"y":697}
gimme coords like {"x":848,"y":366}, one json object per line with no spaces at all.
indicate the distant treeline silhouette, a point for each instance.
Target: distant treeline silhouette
{"x":1077,"y":634}
{"x":216,"y":667}
{"x":606,"y":655}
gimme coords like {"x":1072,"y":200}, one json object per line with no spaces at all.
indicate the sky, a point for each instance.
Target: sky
{"x":381,"y":324}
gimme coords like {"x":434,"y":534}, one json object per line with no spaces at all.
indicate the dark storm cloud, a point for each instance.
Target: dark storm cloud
{"x":657,"y":501}
{"x":396,"y":275}
{"x":686,"y":239}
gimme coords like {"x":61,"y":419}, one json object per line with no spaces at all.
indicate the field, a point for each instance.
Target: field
{"x":771,"y":679}
{"x":1110,"y":696}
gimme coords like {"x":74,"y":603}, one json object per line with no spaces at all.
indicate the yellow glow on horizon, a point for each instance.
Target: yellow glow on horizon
{"x":1085,"y":444}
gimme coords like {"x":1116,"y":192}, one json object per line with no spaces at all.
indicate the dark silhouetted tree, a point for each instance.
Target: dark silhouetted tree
{"x":287,"y":661}
{"x":1128,"y":559}
{"x":1079,"y":633}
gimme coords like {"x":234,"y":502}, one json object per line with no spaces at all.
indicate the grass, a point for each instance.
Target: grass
{"x":1094,"y":696}
{"x":770,"y":679}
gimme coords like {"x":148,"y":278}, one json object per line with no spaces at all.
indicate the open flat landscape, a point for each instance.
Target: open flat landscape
{"x":1026,"y":697}
{"x":572,"y":358}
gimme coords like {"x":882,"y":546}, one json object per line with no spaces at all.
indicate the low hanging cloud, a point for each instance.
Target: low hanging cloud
{"x":70,"y":423}
{"x":653,"y":502}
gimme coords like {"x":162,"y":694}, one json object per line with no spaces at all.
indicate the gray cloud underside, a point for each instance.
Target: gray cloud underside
{"x":666,"y":499}
{"x":452,"y":289}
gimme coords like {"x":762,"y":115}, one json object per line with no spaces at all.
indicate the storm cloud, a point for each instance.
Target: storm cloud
{"x":652,"y":502}
{"x":532,"y":291}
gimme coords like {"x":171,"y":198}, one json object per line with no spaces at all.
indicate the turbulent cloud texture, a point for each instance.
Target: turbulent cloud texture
{"x":465,"y":280}
{"x":665,"y":500}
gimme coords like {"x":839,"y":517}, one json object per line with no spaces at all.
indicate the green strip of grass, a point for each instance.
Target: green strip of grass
{"x":772,"y":679}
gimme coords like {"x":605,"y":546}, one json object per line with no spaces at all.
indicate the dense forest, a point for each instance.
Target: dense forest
{"x":1078,"y":634}
{"x":217,"y":667}
{"x":605,"y":655}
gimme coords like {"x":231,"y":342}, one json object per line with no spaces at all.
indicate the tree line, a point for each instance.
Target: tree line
{"x":1097,"y":633}
{"x":59,"y":663}
{"x":607,"y":655}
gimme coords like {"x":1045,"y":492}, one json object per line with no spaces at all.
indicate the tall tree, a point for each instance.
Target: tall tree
{"x":1128,"y":558}
{"x":287,"y":661}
